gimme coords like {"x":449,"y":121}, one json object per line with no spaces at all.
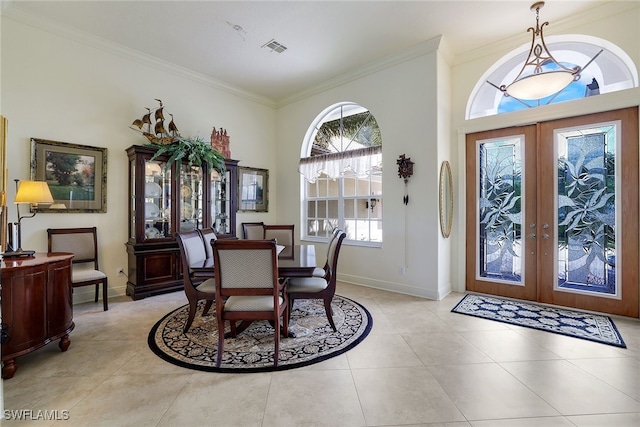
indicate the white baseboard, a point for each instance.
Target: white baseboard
{"x":389,"y":286}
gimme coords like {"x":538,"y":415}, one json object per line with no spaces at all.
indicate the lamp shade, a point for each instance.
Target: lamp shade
{"x":33,"y":192}
{"x":538,"y":86}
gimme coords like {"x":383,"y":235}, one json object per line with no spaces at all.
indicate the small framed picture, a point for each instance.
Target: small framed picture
{"x":253,"y":190}
{"x":76,"y":174}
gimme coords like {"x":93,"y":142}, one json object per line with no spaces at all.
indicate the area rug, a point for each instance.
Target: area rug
{"x":592,"y":327}
{"x":252,"y":349}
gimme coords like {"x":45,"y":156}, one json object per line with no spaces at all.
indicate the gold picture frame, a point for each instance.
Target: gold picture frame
{"x":445,"y":195}
{"x":253,"y":190}
{"x":76,"y":174}
{"x":4,"y":182}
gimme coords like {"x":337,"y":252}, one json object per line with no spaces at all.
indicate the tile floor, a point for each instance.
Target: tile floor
{"x":421,"y":366}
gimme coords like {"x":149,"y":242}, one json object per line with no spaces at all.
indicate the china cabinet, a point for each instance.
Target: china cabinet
{"x":165,"y":200}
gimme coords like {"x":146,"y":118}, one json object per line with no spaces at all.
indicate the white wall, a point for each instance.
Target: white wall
{"x":402,"y":98}
{"x":65,"y":87}
{"x":617,"y":22}
{"x":443,"y":106}
{"x":60,"y":86}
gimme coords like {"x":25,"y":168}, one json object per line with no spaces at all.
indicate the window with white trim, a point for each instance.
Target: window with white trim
{"x":341,"y":167}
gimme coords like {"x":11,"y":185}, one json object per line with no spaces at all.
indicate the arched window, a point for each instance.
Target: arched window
{"x":341,"y":164}
{"x":611,"y":71}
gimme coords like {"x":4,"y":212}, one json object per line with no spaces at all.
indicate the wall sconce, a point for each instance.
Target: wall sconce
{"x":32,"y":192}
{"x":371,"y":203}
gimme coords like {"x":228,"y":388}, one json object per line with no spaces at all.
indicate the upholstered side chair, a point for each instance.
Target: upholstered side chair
{"x":322,"y":271}
{"x":252,"y":230}
{"x":208,"y":234}
{"x":323,"y":288}
{"x":248,"y":289}
{"x":284,"y":234}
{"x":196,"y":289}
{"x":83,"y":243}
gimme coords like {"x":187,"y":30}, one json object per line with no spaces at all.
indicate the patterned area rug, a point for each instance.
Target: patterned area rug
{"x":252,"y":350}
{"x":592,"y":327}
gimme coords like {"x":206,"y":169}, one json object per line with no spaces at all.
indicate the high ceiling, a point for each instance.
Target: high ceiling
{"x":224,"y":39}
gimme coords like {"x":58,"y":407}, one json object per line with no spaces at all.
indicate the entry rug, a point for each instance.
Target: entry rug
{"x":592,"y":327}
{"x":252,"y":349}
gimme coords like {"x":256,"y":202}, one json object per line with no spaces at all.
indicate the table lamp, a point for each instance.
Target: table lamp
{"x":32,"y":192}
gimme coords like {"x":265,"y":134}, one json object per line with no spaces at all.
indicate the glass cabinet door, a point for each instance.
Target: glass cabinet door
{"x":157,"y":198}
{"x":220,"y":201}
{"x":132,"y":199}
{"x":191,"y":198}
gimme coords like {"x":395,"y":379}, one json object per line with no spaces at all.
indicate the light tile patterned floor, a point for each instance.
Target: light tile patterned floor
{"x":421,"y":366}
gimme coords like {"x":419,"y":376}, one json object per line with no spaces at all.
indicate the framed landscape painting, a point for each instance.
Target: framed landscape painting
{"x":4,"y":182}
{"x":76,"y":174}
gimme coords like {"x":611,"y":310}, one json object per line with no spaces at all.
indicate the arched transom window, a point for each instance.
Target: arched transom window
{"x":341,"y":165}
{"x":611,"y":70}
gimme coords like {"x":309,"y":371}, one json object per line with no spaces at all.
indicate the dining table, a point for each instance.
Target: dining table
{"x":293,"y":261}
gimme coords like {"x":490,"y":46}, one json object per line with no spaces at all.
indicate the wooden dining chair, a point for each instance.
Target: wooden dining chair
{"x":83,"y":243}
{"x":323,"y":288}
{"x":208,"y":234}
{"x":196,"y":288}
{"x":252,"y":230}
{"x":284,"y":234}
{"x":247,"y":288}
{"x":322,"y":271}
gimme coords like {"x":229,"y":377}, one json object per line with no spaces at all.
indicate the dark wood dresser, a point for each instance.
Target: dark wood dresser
{"x":37,"y":305}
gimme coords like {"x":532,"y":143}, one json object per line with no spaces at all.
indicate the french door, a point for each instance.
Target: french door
{"x":552,"y":212}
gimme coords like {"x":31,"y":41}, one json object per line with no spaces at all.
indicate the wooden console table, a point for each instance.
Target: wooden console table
{"x":37,"y":305}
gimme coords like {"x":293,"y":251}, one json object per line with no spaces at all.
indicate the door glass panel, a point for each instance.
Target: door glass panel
{"x":586,"y":209}
{"x":499,"y":212}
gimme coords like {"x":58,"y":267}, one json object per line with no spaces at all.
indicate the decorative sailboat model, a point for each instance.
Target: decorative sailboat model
{"x":160,"y":134}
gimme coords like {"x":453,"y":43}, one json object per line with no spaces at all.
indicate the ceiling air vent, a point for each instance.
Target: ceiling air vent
{"x":275,"y":46}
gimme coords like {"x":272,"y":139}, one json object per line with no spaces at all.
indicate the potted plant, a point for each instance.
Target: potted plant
{"x":195,"y":149}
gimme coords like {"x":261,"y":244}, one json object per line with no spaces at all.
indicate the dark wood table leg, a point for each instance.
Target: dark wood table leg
{"x":238,"y":329}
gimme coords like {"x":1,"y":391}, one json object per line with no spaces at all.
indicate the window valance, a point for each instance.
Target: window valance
{"x":360,"y":161}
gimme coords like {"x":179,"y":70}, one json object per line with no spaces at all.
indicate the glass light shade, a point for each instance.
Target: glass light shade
{"x":33,"y":192}
{"x":538,"y":86}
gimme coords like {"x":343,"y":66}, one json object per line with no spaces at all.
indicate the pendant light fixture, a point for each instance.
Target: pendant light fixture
{"x":541,"y":74}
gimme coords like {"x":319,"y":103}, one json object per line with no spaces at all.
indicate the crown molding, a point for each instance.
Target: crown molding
{"x":98,"y":43}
